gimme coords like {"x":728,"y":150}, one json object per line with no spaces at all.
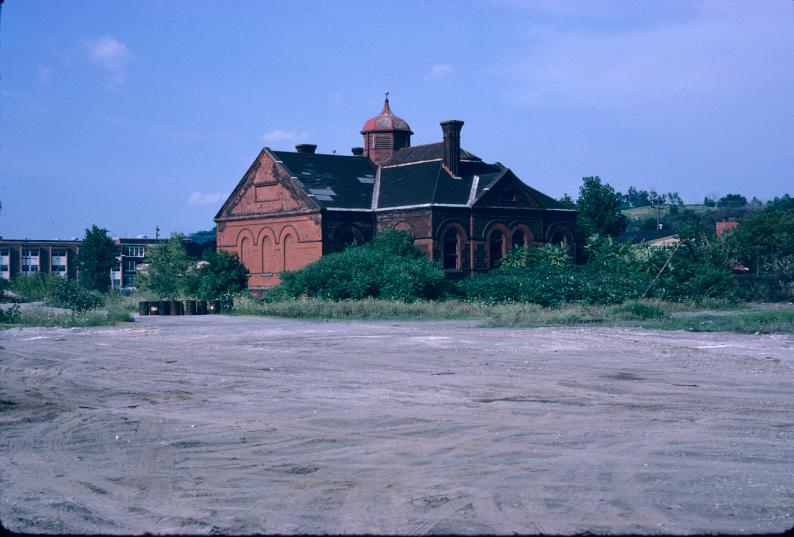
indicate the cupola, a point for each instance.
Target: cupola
{"x":384,"y":134}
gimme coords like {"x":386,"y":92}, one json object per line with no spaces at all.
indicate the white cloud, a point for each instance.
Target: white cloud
{"x":111,"y":56}
{"x":440,"y":71}
{"x":284,"y":136}
{"x":108,"y":53}
{"x":203,"y":198}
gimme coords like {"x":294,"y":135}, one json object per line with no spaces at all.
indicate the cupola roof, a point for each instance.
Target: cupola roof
{"x":386,"y":121}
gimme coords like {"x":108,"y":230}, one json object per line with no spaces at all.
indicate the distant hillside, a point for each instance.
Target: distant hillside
{"x":202,"y":236}
{"x":641,"y":213}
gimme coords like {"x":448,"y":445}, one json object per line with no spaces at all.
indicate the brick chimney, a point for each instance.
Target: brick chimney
{"x":451,"y":130}
{"x":306,"y":148}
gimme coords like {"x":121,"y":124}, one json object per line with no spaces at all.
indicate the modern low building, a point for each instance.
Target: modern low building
{"x":21,"y":257}
{"x":25,"y":256}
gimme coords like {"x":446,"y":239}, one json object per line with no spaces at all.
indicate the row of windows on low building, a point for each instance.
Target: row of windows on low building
{"x":20,"y":260}
{"x":31,"y":261}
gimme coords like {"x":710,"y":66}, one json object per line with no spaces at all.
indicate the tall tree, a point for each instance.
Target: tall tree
{"x":732,"y":200}
{"x":97,"y":256}
{"x":599,"y":208}
{"x":222,"y":276}
{"x":168,"y":272}
{"x":635,"y":198}
{"x":567,"y":200}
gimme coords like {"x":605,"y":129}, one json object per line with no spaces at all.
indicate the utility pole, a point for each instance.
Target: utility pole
{"x":656,"y":202}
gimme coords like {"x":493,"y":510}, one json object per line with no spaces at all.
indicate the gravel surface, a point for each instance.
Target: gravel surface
{"x":252,"y":425}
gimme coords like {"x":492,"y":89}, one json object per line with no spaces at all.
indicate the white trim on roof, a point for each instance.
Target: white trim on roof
{"x":475,"y":182}
{"x":423,"y":162}
{"x":419,"y":206}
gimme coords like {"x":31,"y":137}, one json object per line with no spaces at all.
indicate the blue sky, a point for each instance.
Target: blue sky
{"x":132,"y":115}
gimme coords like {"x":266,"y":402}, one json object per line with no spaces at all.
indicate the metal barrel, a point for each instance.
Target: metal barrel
{"x":201,"y":307}
{"x":215,"y":306}
{"x":189,"y":307}
{"x":154,"y":308}
{"x":143,"y":307}
{"x":165,"y":307}
{"x":176,"y":307}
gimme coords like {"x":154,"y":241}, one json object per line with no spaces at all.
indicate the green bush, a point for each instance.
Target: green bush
{"x":550,"y":286}
{"x":222,"y":277}
{"x":69,"y":294}
{"x":390,"y":267}
{"x":34,"y":287}
{"x":614,"y":273}
{"x":169,"y":273}
{"x":9,"y":315}
{"x":5,"y":285}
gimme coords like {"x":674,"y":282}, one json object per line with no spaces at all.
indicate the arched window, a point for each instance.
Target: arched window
{"x":245,"y":252}
{"x":347,"y":236}
{"x":519,"y":239}
{"x":406,"y":227}
{"x":450,"y":249}
{"x":290,"y":252}
{"x":560,"y":238}
{"x":267,"y":255}
{"x":496,"y":247}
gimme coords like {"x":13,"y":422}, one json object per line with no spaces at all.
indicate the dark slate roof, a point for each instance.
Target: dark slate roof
{"x":429,"y":182}
{"x":332,"y":180}
{"x":644,"y":235}
{"x":347,"y":182}
{"x":419,"y":153}
{"x":547,"y":202}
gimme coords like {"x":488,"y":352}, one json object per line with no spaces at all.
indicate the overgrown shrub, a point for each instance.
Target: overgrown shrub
{"x":34,"y":287}
{"x":390,"y":267}
{"x":69,"y":294}
{"x":549,"y":286}
{"x":5,"y":285}
{"x":613,"y":273}
{"x":9,"y":315}
{"x":222,"y":277}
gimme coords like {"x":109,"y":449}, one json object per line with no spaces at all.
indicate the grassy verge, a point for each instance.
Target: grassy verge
{"x":769,"y":321}
{"x":652,"y":314}
{"x":65,"y":319}
{"x":362,"y":309}
{"x":116,"y":310}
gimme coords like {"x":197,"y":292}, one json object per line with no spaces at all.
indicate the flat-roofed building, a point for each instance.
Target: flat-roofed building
{"x":20,"y":257}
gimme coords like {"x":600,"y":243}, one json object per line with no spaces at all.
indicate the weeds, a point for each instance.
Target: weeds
{"x":652,"y":314}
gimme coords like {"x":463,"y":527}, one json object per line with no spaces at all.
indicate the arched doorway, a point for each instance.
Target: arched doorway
{"x":347,"y":236}
{"x":496,"y":248}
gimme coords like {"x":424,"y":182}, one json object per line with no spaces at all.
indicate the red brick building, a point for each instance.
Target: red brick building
{"x":290,"y":208}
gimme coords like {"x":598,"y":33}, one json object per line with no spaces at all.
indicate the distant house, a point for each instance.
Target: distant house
{"x":654,"y":237}
{"x":724,"y":227}
{"x":291,"y":208}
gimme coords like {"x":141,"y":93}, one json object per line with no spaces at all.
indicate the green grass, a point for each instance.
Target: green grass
{"x":769,"y":321}
{"x":48,"y":318}
{"x":710,"y":316}
{"x":715,"y":315}
{"x":311,"y":308}
{"x":641,"y":213}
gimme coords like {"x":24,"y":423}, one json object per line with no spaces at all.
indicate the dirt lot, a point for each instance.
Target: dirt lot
{"x":240,"y":425}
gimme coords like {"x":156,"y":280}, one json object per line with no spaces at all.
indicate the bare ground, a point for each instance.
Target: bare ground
{"x":254,"y":425}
